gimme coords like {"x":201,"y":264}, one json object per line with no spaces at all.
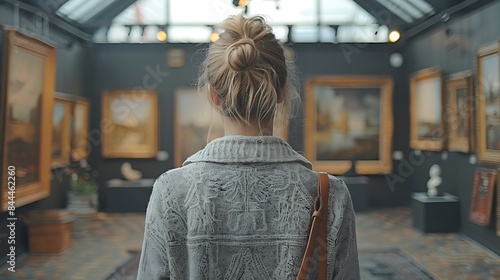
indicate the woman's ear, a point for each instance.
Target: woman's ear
{"x":213,"y":95}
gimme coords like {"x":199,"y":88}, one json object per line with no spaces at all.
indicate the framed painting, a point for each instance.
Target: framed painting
{"x":79,"y":129}
{"x":459,"y":112}
{"x":132,"y":124}
{"x":427,"y":125}
{"x":61,"y":137}
{"x":482,"y":196}
{"x":349,"y":119}
{"x":27,"y":93}
{"x":488,"y":109}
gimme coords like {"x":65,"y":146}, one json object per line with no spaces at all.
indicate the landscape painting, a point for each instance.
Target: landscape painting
{"x":459,"y":112}
{"x":61,"y":145}
{"x":349,"y":119}
{"x":426,"y":111}
{"x":25,"y":115}
{"x":131,"y":119}
{"x":79,"y":129}
{"x":489,"y":104}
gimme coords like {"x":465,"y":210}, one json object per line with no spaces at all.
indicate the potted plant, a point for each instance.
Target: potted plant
{"x":82,"y":197}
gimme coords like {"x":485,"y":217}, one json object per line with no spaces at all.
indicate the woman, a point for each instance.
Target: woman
{"x":241,"y":207}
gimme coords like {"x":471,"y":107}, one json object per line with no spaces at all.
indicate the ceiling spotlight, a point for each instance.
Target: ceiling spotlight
{"x":394,"y":36}
{"x":240,"y":3}
{"x":214,"y":36}
{"x":161,"y":36}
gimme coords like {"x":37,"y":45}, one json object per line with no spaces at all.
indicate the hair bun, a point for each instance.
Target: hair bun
{"x":242,"y":55}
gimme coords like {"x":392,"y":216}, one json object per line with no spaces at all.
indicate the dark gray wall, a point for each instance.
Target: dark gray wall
{"x":69,"y":79}
{"x":455,"y":51}
{"x":124,"y":66}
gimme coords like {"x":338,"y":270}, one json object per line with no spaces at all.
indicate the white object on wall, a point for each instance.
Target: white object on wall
{"x":435,"y":180}
{"x":396,"y":60}
{"x":129,"y":173}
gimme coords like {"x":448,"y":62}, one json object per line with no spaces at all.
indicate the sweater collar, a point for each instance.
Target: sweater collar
{"x":248,"y":149}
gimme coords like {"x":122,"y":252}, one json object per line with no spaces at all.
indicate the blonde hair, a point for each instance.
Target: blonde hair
{"x":248,"y":70}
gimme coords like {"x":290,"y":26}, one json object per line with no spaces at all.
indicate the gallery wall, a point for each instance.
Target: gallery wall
{"x":453,"y":46}
{"x":127,"y":66}
{"x":69,"y":79}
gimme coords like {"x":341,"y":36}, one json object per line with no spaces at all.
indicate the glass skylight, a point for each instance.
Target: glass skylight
{"x":192,"y":21}
{"x":83,"y":10}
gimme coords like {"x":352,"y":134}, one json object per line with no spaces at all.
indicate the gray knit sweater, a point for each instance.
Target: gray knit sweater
{"x":241,"y":209}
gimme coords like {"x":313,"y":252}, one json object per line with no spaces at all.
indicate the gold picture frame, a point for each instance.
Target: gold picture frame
{"x":427,"y":99}
{"x":61,"y":126}
{"x":130,"y":124}
{"x":459,"y":112}
{"x":27,"y":93}
{"x":349,"y":110}
{"x":80,"y":114}
{"x":488,"y":103}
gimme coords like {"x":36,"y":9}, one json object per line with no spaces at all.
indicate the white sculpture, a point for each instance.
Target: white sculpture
{"x":129,"y":173}
{"x":435,"y":181}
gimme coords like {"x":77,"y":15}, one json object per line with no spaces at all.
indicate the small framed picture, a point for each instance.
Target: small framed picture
{"x":175,"y":58}
{"x":426,"y":110}
{"x":459,"y":112}
{"x":482,"y":196}
{"x":61,"y":125}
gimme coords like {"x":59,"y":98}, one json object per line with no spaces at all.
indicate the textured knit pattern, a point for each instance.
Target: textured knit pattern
{"x":241,"y":209}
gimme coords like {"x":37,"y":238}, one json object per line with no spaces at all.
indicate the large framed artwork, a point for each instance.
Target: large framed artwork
{"x":27,"y":92}
{"x":131,"y":124}
{"x":426,"y":110}
{"x":79,"y":129}
{"x":197,"y":122}
{"x":349,"y":119}
{"x":482,"y":196}
{"x":459,"y":112}
{"x":61,"y":137}
{"x":488,"y":110}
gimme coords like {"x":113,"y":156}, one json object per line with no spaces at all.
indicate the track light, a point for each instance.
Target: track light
{"x":394,"y":36}
{"x":240,"y":3}
{"x":161,"y":36}
{"x":214,"y":36}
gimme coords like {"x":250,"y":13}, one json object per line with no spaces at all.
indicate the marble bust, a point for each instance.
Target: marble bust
{"x":435,"y":180}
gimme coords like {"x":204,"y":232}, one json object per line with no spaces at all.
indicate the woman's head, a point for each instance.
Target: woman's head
{"x":249,"y":77}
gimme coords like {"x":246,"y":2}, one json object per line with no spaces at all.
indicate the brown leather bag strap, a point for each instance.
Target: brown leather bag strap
{"x":319,"y":227}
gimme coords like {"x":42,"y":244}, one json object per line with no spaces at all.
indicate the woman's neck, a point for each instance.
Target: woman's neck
{"x":232,"y":127}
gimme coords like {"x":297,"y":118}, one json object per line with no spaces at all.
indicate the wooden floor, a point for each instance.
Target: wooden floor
{"x":444,"y":256}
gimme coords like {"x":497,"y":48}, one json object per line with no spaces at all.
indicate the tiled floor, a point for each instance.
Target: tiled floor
{"x":446,"y":256}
